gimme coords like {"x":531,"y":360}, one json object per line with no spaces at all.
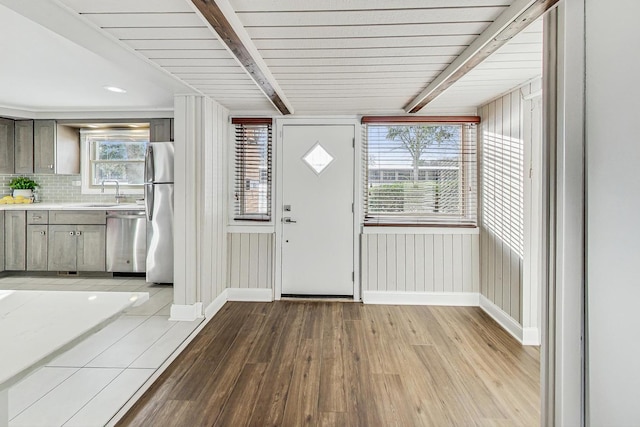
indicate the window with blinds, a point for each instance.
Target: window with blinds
{"x":421,"y":173}
{"x":252,"y":184}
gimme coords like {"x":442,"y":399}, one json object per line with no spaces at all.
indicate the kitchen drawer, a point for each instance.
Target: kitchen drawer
{"x":37,"y":217}
{"x":78,"y":217}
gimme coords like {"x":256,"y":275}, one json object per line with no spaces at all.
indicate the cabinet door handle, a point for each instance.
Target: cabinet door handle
{"x":42,"y":233}
{"x":37,"y":217}
{"x":71,"y":233}
{"x":78,"y":233}
{"x":50,"y":166}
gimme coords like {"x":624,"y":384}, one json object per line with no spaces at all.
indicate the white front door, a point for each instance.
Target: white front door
{"x":317,"y":198}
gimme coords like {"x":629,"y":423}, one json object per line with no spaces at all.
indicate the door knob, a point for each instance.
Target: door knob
{"x":288,"y":220}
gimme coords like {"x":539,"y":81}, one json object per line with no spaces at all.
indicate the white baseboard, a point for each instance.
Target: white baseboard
{"x":507,"y":322}
{"x":421,"y":298}
{"x":216,"y":305}
{"x":530,"y":336}
{"x":186,"y":313}
{"x":251,"y":295}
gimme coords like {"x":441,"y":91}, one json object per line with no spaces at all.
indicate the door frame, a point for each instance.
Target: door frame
{"x":277,"y":187}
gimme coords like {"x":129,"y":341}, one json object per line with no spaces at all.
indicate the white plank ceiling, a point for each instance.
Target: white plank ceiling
{"x":329,"y":57}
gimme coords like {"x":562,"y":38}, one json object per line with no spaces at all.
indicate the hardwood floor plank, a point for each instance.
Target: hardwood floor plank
{"x":293,"y":363}
{"x":271,"y":332}
{"x":361,"y":400}
{"x":313,"y":320}
{"x":271,"y":398}
{"x":333,"y":393}
{"x":239,"y":406}
{"x":333,"y":331}
{"x":332,"y":396}
{"x":333,"y":419}
{"x":302,"y":400}
{"x":220,"y":380}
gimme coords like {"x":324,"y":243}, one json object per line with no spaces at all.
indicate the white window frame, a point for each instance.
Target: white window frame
{"x":469,"y":202}
{"x":85,"y":170}
{"x":247,"y":225}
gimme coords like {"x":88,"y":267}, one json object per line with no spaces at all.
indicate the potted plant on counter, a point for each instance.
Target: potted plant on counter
{"x":22,"y":186}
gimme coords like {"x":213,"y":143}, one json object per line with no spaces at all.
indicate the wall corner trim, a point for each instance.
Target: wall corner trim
{"x":421,"y":298}
{"x":186,"y":313}
{"x":216,"y":305}
{"x":238,"y":294}
{"x":531,"y":336}
{"x":507,"y":322}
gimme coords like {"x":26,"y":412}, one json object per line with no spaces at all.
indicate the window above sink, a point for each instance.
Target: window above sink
{"x":110,"y":155}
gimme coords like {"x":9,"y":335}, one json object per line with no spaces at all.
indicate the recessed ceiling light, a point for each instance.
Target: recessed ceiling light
{"x":115,"y":89}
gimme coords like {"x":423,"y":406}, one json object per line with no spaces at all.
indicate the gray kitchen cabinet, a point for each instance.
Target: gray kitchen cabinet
{"x":37,"y":247}
{"x":37,"y":217}
{"x":77,"y":240}
{"x":15,"y":240}
{"x":91,"y":249}
{"x":56,"y":148}
{"x":160,"y":130}
{"x":23,"y":146}
{"x":44,"y":148}
{"x":1,"y":240}
{"x":62,"y":244}
{"x":78,"y":217}
{"x":7,"y":129}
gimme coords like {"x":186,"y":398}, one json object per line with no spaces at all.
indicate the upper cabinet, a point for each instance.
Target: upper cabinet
{"x":23,"y":146}
{"x":7,"y":130}
{"x":56,"y":148}
{"x":160,"y":130}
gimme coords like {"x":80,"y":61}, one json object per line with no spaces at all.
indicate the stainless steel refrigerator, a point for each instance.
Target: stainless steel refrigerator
{"x":158,"y":196}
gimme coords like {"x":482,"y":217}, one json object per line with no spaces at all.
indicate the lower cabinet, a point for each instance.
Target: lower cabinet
{"x":52,"y":240}
{"x":37,"y":248}
{"x":15,"y":242}
{"x":2,"y":241}
{"x":76,"y":247}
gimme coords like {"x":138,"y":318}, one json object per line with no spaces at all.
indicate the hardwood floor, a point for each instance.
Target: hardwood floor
{"x":345,"y":364}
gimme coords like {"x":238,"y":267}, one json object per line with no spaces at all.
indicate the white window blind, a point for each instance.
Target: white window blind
{"x":420,"y":173}
{"x":252,"y":184}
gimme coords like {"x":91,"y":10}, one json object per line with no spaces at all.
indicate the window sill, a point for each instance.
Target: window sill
{"x":420,"y":230}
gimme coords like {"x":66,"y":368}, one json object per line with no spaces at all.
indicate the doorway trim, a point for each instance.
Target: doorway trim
{"x":357,"y":199}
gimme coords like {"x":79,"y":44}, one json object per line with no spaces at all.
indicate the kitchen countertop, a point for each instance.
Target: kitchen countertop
{"x":95,"y":206}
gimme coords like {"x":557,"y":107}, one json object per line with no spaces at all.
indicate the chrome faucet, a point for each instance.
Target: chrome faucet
{"x":118,"y":195}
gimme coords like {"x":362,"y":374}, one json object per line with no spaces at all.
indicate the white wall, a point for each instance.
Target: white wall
{"x":201,"y":131}
{"x":502,"y":203}
{"x":445,"y":262}
{"x":250,"y":257}
{"x":613,"y":203}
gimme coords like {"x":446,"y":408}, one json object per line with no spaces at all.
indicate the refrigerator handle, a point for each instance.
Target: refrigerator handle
{"x":148,"y":201}
{"x":149,"y":172}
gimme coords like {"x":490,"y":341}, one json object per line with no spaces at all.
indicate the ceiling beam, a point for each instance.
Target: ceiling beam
{"x":231,"y":32}
{"x":513,"y":20}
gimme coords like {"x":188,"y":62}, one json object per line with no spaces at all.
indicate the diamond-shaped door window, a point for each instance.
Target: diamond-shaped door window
{"x":318,"y":158}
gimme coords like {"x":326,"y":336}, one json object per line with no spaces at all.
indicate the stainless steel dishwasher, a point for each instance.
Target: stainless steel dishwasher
{"x":126,"y":241}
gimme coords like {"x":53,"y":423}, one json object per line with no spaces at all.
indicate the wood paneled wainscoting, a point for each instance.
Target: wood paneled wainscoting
{"x":292,"y":363}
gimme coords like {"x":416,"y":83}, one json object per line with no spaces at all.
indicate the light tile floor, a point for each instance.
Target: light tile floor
{"x":87,"y":385}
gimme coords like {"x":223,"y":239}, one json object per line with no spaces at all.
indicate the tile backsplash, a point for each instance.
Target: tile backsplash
{"x":57,"y":189}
